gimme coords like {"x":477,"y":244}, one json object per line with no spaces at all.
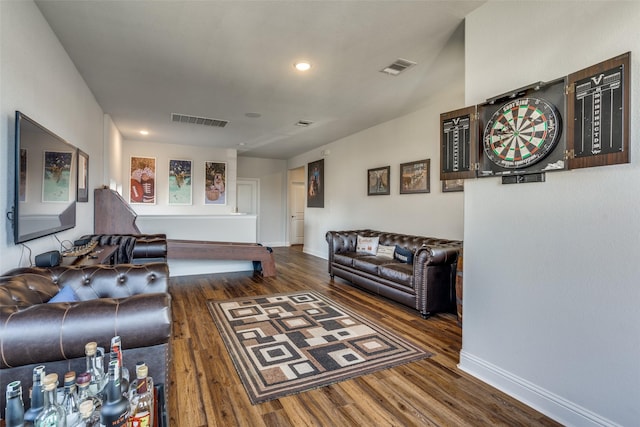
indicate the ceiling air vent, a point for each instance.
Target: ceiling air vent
{"x":397,"y":67}
{"x":195,"y":120}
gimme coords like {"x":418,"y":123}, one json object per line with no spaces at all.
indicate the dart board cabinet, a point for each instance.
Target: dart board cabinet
{"x":581,"y":120}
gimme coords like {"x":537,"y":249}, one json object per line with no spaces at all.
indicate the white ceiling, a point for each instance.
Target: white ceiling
{"x":144,"y":60}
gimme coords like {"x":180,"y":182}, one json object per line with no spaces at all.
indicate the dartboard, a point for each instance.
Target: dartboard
{"x":522,"y":132}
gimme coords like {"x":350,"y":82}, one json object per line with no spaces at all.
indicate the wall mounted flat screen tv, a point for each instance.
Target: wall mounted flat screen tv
{"x":45,"y":181}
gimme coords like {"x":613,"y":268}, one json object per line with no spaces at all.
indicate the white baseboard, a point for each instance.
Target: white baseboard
{"x":322,"y":255}
{"x":542,"y":400}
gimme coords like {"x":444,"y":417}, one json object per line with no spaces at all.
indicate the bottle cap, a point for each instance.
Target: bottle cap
{"x":86,"y":408}
{"x":83,"y":378}
{"x":142,"y":371}
{"x":14,"y":389}
{"x":70,"y":377}
{"x":50,"y":382}
{"x":90,"y":348}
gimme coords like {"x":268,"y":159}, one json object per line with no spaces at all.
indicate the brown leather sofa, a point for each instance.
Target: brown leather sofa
{"x":427,"y":285}
{"x":127,"y":300}
{"x":135,"y":248}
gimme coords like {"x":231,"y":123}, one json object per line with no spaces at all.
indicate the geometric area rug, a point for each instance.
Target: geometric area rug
{"x":284,"y":344}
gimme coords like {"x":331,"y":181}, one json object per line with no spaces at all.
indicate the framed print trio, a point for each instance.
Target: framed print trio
{"x":143,"y":180}
{"x":215,"y":176}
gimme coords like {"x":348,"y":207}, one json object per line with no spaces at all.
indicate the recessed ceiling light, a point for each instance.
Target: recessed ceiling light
{"x":144,"y":132}
{"x":302,"y":66}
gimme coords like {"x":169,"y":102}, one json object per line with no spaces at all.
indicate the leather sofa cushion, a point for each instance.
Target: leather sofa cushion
{"x":370,"y":264}
{"x":397,"y":272}
{"x":346,"y":258}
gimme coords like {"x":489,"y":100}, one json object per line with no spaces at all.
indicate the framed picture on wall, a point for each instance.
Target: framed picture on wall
{"x":82,"y":194}
{"x":56,"y":176}
{"x":142,"y":180}
{"x":315,"y":184}
{"x":414,"y":177}
{"x":180,"y":190}
{"x":452,"y":185}
{"x":378,"y":181}
{"x":215,"y":178}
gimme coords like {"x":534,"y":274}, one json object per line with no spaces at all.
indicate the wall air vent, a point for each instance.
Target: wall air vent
{"x":195,"y":120}
{"x":397,"y":67}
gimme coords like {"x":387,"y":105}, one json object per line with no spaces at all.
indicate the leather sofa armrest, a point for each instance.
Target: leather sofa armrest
{"x":432,"y":255}
{"x":48,"y":332}
{"x":150,"y":246}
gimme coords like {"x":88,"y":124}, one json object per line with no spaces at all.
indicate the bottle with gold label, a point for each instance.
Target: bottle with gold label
{"x":142,"y":410}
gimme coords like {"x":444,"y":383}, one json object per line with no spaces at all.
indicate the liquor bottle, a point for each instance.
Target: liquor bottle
{"x":53,"y":414}
{"x":116,"y":353}
{"x":142,"y":409}
{"x":14,"y":412}
{"x":37,"y":397}
{"x":133,"y":385}
{"x":95,"y":369}
{"x":70,"y":399}
{"x":89,"y":416}
{"x":115,"y":409}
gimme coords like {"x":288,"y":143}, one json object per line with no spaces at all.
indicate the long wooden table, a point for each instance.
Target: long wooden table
{"x":196,"y":249}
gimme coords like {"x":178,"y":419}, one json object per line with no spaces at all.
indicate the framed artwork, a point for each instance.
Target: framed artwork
{"x":414,"y":177}
{"x":180,"y":191}
{"x":452,"y":185}
{"x":82,"y":194}
{"x":22,"y":194}
{"x":315,"y":184}
{"x":143,"y":180}
{"x":378,"y":181}
{"x":215,"y":178}
{"x":56,"y":176}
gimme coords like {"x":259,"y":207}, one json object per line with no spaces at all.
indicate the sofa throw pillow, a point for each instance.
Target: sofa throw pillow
{"x":66,"y":294}
{"x":386,"y":251}
{"x":403,"y":254}
{"x":367,"y":245}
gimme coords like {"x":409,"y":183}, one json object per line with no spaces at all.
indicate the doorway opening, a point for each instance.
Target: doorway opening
{"x":295,"y":219}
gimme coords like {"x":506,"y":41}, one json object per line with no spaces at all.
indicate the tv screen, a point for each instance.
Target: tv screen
{"x":45,"y":181}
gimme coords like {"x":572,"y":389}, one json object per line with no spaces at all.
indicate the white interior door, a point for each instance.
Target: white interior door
{"x":296,"y":213}
{"x":247,"y":196}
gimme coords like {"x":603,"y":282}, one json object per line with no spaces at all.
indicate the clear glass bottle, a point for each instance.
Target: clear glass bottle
{"x":134,"y":384}
{"x":83,"y":382}
{"x":115,"y":409}
{"x":116,"y":353}
{"x":142,"y":409}
{"x":14,"y":412}
{"x":95,"y":369}
{"x":70,"y":399}
{"x":89,"y":416}
{"x":37,"y":397}
{"x":53,"y":414}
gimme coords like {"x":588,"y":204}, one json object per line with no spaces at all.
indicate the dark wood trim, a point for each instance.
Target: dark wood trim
{"x":195,"y":249}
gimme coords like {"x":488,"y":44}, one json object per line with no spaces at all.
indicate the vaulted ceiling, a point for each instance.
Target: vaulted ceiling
{"x":233,"y":61}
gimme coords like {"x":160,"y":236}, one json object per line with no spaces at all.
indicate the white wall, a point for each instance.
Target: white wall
{"x":551,"y":273}
{"x":112,"y":161}
{"x":38,"y":78}
{"x":408,"y":138}
{"x":272,"y":174}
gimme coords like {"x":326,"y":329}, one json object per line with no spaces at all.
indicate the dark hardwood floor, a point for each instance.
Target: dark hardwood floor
{"x":206,"y":391}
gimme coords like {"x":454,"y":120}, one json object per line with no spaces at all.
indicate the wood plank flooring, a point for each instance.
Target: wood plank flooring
{"x":206,"y":391}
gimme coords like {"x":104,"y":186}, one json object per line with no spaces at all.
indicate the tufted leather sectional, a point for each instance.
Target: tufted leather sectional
{"x":127,"y":300}
{"x":427,"y":285}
